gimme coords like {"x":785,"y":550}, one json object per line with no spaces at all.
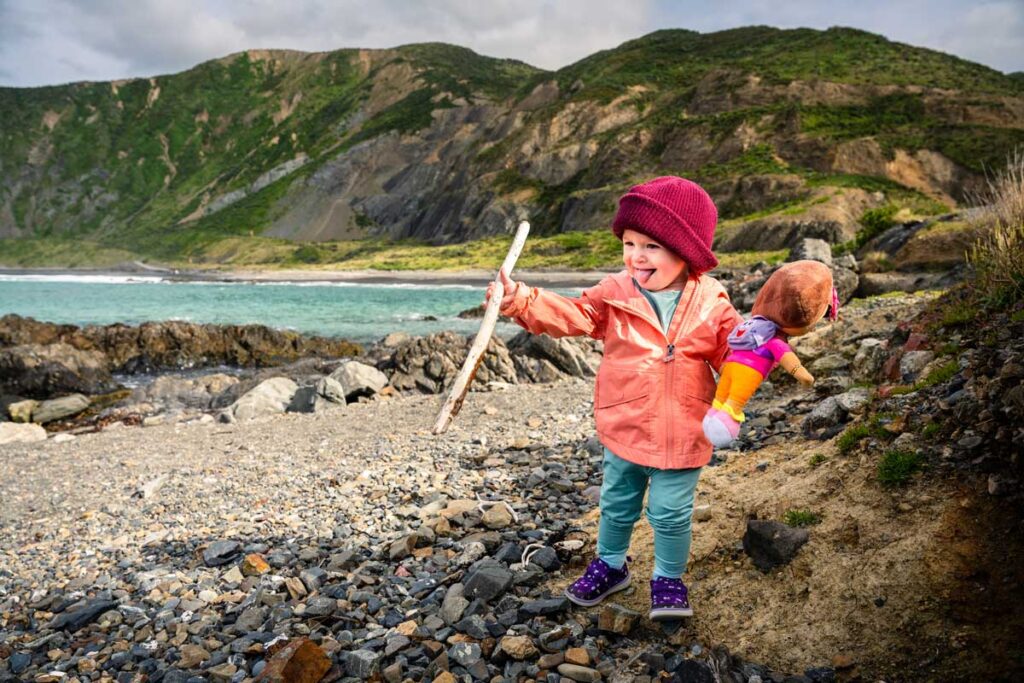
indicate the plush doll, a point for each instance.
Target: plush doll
{"x":790,"y":304}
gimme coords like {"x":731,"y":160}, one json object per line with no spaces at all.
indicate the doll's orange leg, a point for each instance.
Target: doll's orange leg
{"x":744,"y":381}
{"x":724,"y":382}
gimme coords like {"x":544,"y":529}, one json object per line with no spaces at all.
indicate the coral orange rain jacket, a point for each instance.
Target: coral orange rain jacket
{"x":653,"y":388}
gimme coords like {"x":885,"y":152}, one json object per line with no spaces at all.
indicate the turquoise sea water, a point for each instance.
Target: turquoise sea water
{"x":360,"y":312}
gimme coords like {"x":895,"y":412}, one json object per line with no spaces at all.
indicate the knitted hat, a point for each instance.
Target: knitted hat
{"x":676,"y":212}
{"x":797,"y":294}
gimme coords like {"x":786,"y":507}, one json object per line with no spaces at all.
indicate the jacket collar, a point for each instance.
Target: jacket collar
{"x":630,"y":298}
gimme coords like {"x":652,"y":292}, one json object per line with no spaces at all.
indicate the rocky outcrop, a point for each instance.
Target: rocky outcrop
{"x":173,"y":344}
{"x":833,"y":220}
{"x":430,"y":364}
{"x":41,"y":371}
{"x":198,"y":393}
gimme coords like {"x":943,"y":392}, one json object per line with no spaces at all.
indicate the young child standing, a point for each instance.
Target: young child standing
{"x":665,"y":325}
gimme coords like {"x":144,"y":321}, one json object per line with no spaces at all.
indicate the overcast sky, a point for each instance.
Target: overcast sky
{"x":56,"y":41}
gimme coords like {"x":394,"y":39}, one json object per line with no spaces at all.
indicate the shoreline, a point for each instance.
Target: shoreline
{"x":477,"y":277}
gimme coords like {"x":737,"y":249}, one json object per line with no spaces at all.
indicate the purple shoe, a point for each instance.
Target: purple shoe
{"x":669,"y":599}
{"x":597,"y":583}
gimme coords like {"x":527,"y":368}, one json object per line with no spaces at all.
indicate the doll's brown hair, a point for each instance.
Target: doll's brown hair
{"x":796,"y":295}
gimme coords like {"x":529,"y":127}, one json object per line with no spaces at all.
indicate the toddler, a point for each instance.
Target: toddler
{"x":665,"y":325}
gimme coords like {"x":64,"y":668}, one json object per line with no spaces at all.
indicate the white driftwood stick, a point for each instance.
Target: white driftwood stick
{"x":460,"y":386}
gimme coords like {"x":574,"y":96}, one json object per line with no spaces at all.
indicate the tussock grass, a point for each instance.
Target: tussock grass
{"x":998,"y":254}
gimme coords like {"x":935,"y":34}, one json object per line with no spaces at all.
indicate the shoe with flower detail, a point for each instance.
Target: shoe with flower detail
{"x":669,"y":599}
{"x":597,"y":583}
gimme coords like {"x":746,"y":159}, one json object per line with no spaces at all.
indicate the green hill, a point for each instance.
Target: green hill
{"x":434,"y":143}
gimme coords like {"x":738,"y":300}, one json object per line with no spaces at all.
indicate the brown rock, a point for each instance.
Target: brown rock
{"x":223,"y":672}
{"x":579,"y":673}
{"x":445,"y":677}
{"x":497,"y":517}
{"x":519,"y":647}
{"x":842,"y":661}
{"x":551,"y":661}
{"x":254,"y":565}
{"x":296,"y":589}
{"x":192,"y":656}
{"x":577,"y":655}
{"x":406,"y":628}
{"x":616,"y":619}
{"x":300,"y":661}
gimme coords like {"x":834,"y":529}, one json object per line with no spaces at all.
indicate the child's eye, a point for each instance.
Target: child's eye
{"x":654,"y":246}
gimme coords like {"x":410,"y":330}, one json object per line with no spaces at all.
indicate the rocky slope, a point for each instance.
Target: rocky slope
{"x":437,"y":143}
{"x":394,"y":552}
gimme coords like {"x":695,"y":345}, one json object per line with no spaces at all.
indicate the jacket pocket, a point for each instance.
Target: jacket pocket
{"x":622,"y":407}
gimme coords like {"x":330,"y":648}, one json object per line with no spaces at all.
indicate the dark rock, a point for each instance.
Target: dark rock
{"x":221,"y":552}
{"x":488,"y":580}
{"x":19,"y":661}
{"x":821,"y":674}
{"x":362,"y":663}
{"x":81,"y":616}
{"x":770,"y":543}
{"x":693,"y":671}
{"x":38,"y":371}
{"x":547,"y":559}
{"x":537,"y":608}
{"x":473,"y":626}
{"x":465,"y":654}
{"x":320,"y":606}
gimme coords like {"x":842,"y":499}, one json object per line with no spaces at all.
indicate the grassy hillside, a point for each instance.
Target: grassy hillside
{"x":171,"y":167}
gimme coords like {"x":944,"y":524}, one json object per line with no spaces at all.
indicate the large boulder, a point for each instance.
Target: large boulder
{"x":59,"y":408}
{"x":572,"y":356}
{"x":197,"y":393}
{"x":40,"y":371}
{"x":771,"y":544}
{"x":12,"y":432}
{"x":810,"y":249}
{"x":359,"y":379}
{"x":430,"y":364}
{"x":267,"y":398}
{"x":313,"y":398}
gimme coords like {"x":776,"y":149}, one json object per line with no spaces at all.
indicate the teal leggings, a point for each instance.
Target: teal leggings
{"x":669,"y":508}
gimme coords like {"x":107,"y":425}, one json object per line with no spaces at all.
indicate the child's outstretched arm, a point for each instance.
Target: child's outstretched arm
{"x":543,"y":312}
{"x":791,"y":364}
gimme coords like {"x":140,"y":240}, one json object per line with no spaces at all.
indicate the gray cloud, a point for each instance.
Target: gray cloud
{"x":55,"y":41}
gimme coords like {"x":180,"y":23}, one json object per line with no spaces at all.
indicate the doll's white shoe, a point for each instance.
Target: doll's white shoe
{"x":720,"y":428}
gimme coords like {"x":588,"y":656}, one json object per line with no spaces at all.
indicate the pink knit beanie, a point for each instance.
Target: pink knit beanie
{"x":676,"y":212}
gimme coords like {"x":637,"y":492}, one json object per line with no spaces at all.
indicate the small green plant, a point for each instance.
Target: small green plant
{"x":940,"y":375}
{"x":930,"y":430}
{"x":856,"y":433}
{"x":897,"y":466}
{"x":816,"y":460}
{"x":801,"y":518}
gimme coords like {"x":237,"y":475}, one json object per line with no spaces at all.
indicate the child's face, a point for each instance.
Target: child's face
{"x":653,"y":266}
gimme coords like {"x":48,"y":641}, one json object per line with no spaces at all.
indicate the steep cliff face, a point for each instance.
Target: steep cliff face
{"x":437,"y":143}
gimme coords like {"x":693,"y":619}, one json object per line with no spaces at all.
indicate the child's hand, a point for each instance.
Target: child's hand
{"x":805,"y":378}
{"x":510,"y":287}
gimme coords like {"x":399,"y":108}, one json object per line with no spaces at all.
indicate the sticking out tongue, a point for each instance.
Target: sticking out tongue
{"x":642,"y":276}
